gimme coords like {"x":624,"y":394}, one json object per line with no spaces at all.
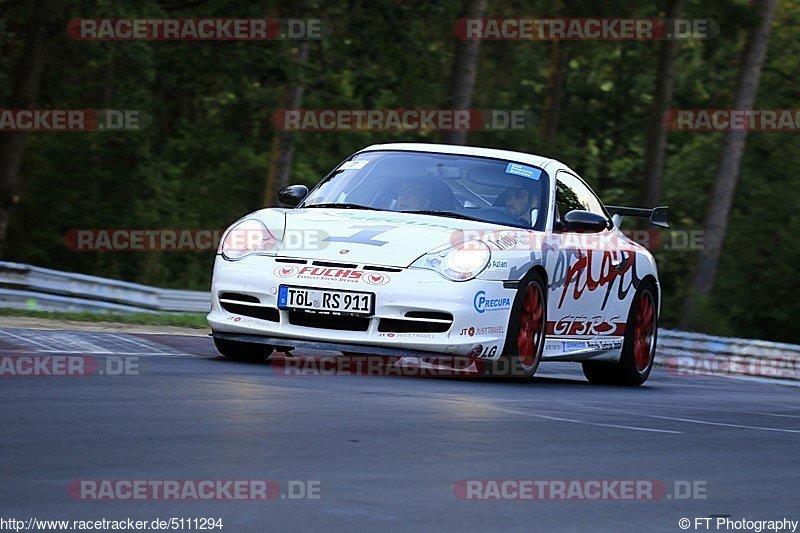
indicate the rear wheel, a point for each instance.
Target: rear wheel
{"x":526,"y":332}
{"x":243,"y":351}
{"x":639,"y":347}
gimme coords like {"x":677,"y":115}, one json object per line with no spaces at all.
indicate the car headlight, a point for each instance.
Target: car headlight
{"x":245,"y":238}
{"x":461,"y":262}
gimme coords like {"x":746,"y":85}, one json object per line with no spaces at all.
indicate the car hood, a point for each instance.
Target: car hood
{"x":374,"y":237}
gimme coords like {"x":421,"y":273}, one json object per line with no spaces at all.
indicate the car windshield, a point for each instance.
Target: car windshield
{"x":455,"y":186}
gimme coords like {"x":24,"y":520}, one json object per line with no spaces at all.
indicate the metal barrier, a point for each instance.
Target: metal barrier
{"x":683,"y":353}
{"x":29,"y":287}
{"x":697,"y":354}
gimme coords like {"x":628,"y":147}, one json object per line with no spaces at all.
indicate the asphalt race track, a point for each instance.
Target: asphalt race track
{"x":386,"y":450}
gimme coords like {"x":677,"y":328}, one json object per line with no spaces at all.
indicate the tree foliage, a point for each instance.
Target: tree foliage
{"x":203,"y":161}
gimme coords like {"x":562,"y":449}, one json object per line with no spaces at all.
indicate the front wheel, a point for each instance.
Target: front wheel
{"x":526,"y":333}
{"x":243,"y":351}
{"x":639,"y":347}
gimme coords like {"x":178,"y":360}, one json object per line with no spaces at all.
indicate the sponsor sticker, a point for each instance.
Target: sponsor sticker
{"x":483,"y":304}
{"x":484,"y":330}
{"x":476,"y":351}
{"x":376,"y":278}
{"x":347,"y":275}
{"x":572,"y":346}
{"x":247,"y":321}
{"x":605,"y":345}
{"x":356,"y":164}
{"x":498,"y":265}
{"x":523,"y":170}
{"x":552,"y":346}
{"x":285,"y":271}
{"x":490,"y":352}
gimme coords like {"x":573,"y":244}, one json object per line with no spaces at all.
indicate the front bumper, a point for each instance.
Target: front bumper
{"x":477,"y":331}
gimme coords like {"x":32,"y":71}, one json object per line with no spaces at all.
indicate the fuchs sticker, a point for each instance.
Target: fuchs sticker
{"x":483,"y":304}
{"x":357,"y":164}
{"x":345,"y":275}
{"x":376,"y":278}
{"x":523,"y":170}
{"x":285,"y":271}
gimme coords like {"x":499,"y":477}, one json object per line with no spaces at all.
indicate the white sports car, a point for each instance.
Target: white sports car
{"x":425,"y":250}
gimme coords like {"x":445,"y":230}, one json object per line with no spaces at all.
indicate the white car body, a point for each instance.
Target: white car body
{"x":589,"y":291}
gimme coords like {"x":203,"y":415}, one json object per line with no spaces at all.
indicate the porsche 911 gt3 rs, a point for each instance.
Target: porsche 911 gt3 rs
{"x":424,"y":250}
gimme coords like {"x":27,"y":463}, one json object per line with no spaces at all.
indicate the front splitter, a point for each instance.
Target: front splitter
{"x":339,"y":347}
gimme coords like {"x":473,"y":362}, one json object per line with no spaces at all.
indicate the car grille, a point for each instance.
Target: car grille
{"x":423,"y":322}
{"x":247,"y":305}
{"x":323,"y":321}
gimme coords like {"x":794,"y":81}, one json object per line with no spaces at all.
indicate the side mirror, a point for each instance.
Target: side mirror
{"x":292,"y":195}
{"x":579,"y":220}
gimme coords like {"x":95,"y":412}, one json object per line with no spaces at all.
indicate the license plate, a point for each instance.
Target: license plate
{"x":325,"y":300}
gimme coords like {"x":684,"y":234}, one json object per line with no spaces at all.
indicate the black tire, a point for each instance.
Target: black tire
{"x":243,"y":351}
{"x":626,"y":371}
{"x":510,"y":364}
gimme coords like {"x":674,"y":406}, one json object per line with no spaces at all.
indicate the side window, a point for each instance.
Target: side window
{"x":566,"y":198}
{"x":572,"y":193}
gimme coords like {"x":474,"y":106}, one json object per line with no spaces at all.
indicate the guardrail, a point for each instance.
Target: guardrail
{"x":682,"y":353}
{"x":29,"y":287}
{"x":685,"y":353}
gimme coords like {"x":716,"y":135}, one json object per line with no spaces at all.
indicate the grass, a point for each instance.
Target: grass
{"x":185,"y":320}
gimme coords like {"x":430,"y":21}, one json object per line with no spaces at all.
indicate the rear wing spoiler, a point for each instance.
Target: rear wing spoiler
{"x":657,"y":215}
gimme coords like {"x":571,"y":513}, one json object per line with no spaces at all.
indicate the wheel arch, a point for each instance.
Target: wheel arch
{"x":542,"y":271}
{"x":652,"y":279}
